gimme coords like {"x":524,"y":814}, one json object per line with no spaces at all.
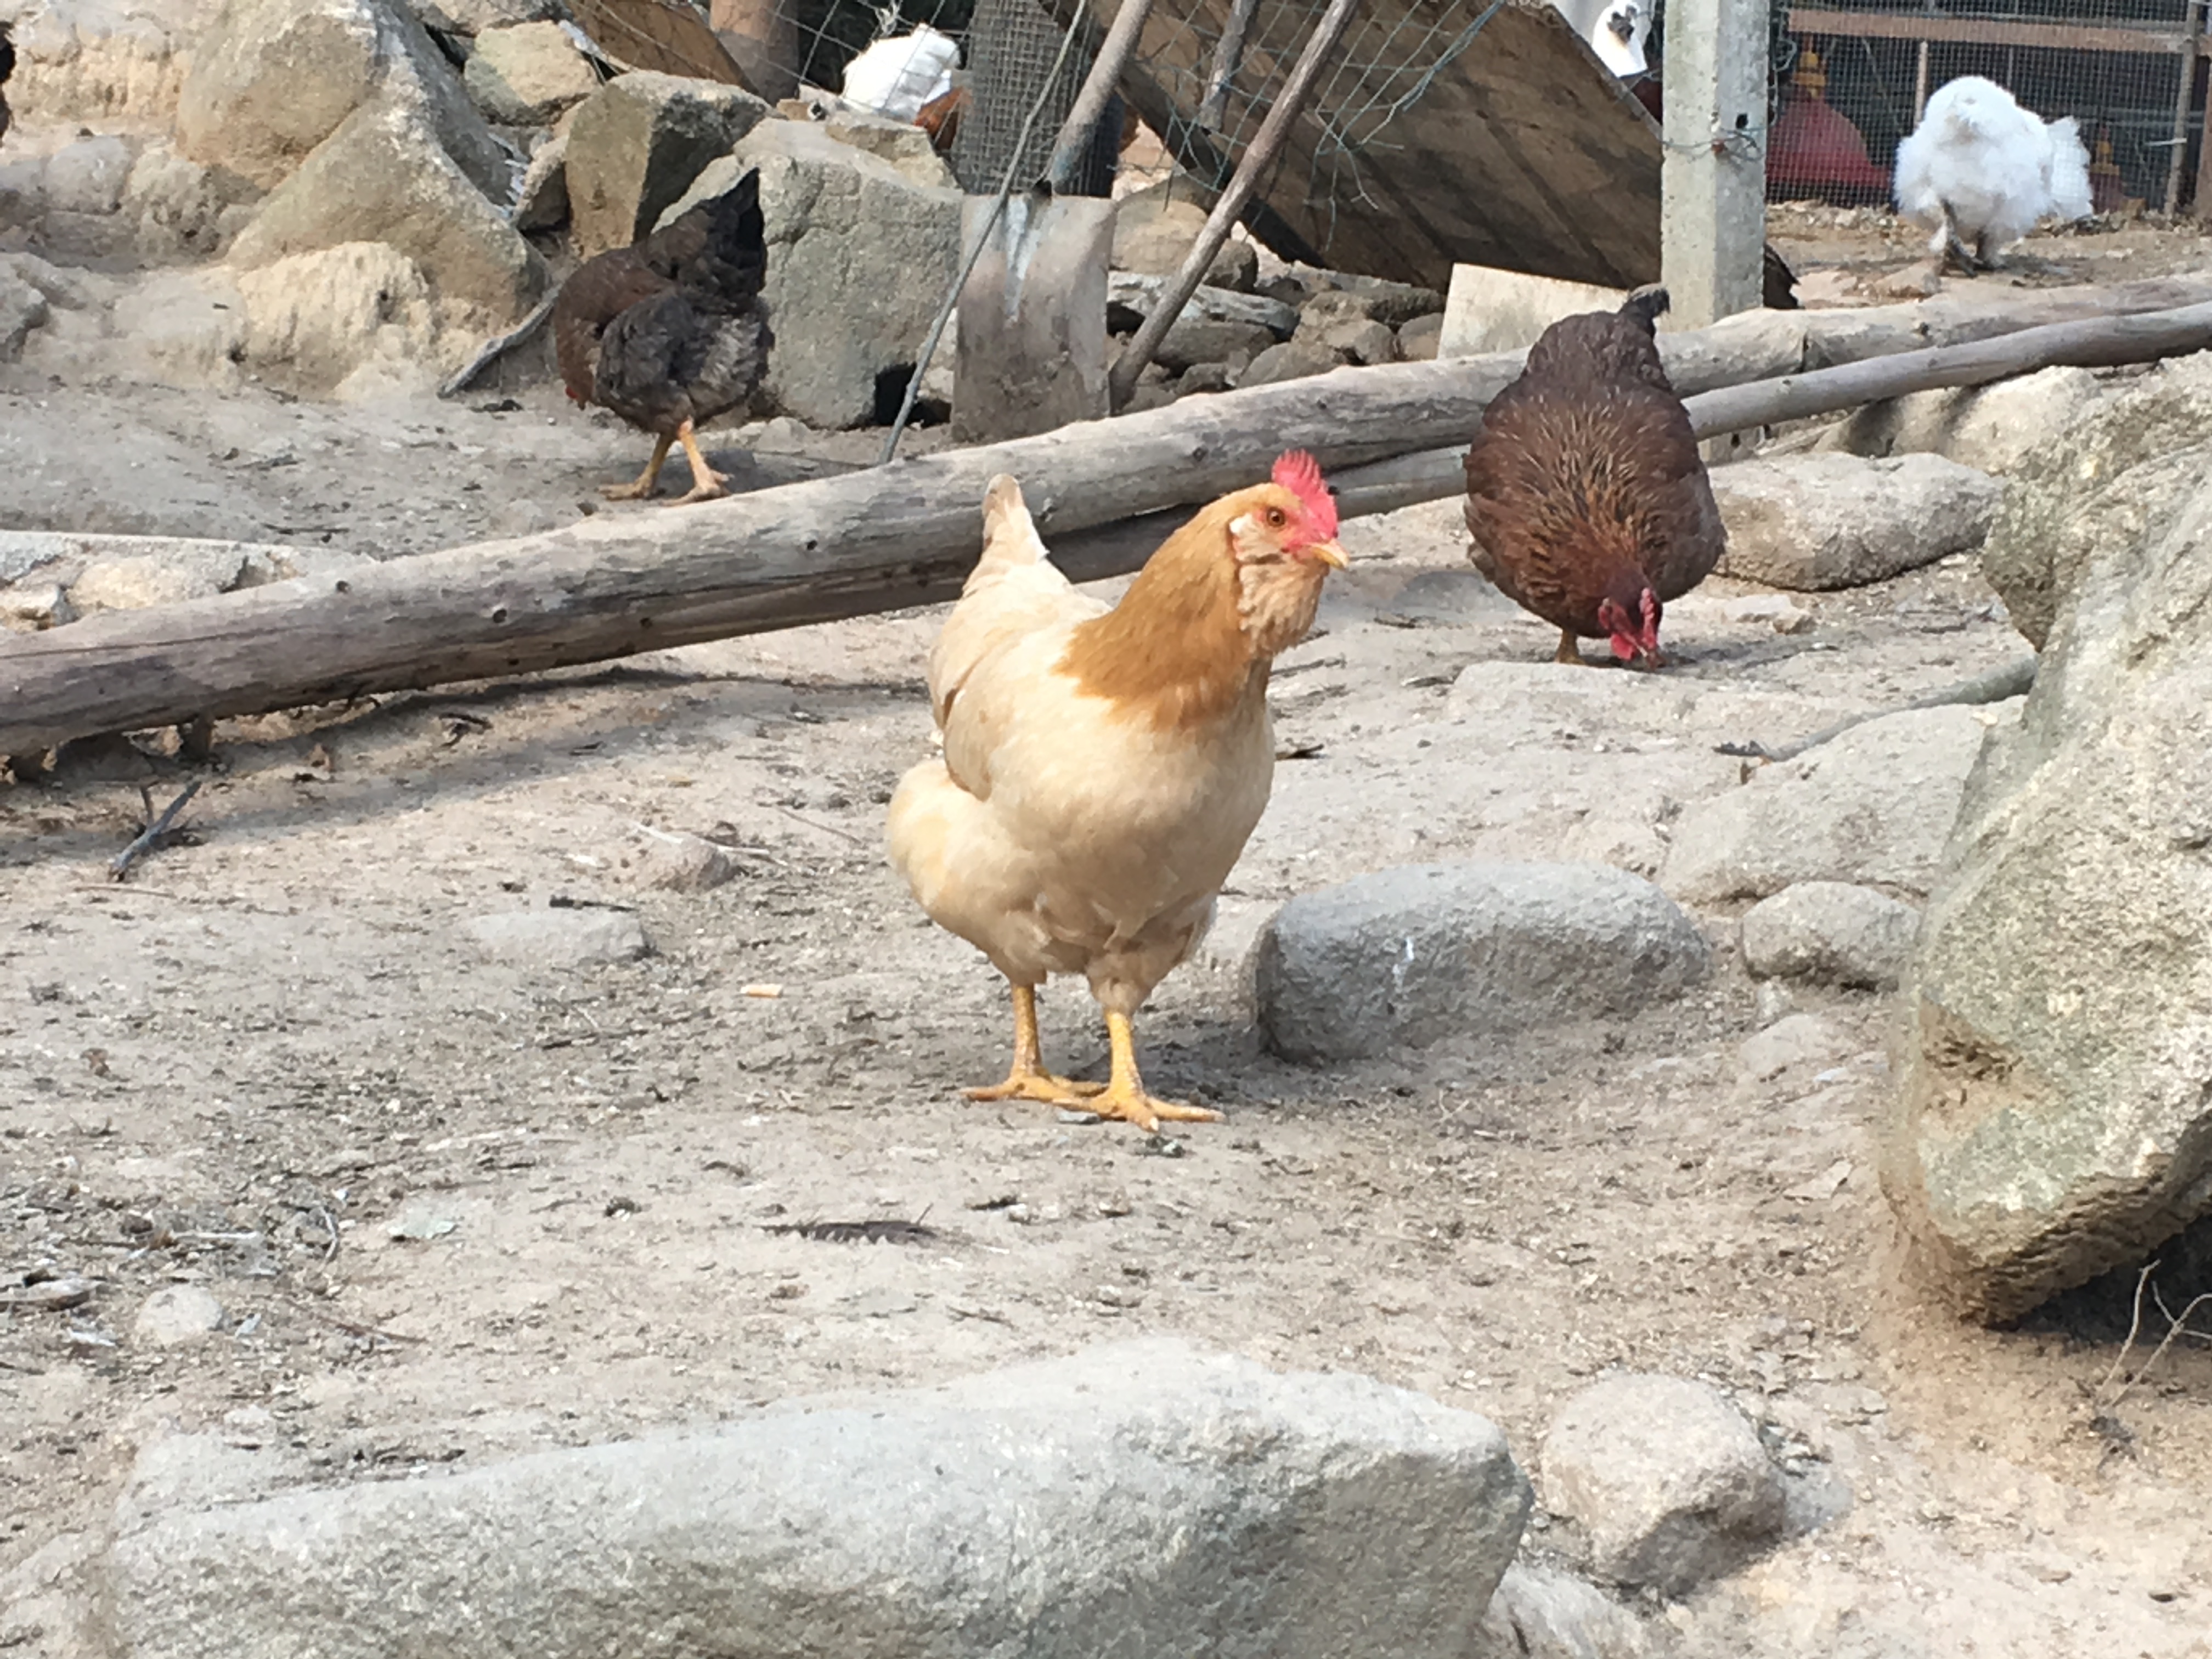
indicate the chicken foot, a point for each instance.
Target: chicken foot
{"x":1028,"y":1079}
{"x":1125,"y":1097}
{"x":641,"y":487}
{"x":706,"y":483}
{"x":1569,"y":651}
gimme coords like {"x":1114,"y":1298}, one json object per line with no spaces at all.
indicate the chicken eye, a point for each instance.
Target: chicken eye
{"x":1276,"y":519}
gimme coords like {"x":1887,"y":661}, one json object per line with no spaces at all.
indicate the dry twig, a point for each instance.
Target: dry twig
{"x":156,"y":835}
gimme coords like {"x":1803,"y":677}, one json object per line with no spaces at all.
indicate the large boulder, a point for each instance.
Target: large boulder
{"x":117,"y":67}
{"x":859,"y":260}
{"x":1872,"y":806}
{"x":1411,"y":956}
{"x":383,"y":177}
{"x":277,"y":78}
{"x":638,"y":143}
{"x":2055,"y":1117}
{"x":1990,"y":428}
{"x":1143,"y":1498}
{"x":1812,"y":522}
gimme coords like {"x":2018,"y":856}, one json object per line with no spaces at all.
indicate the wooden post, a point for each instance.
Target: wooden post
{"x":1713,"y":180}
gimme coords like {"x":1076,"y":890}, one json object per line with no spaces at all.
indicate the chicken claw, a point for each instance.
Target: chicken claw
{"x":642,"y":485}
{"x":706,"y":483}
{"x":1028,"y":1079}
{"x":1125,"y":1097}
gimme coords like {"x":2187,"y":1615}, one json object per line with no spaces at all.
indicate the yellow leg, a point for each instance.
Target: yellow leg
{"x":646,"y":480}
{"x":1124,"y":1097}
{"x":1029,"y":1080}
{"x":1569,"y":652}
{"x":706,"y":483}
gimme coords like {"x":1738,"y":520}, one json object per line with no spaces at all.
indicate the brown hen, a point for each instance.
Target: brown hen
{"x":1588,"y":500}
{"x":668,"y":333}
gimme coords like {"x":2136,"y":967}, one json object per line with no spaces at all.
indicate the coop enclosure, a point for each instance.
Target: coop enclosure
{"x":2130,"y":72}
{"x":1485,"y":131}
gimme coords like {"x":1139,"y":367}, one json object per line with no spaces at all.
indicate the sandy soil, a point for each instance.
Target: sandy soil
{"x":458,"y":1209}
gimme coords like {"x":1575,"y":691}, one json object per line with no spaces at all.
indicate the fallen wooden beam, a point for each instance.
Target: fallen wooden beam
{"x":618,"y":584}
{"x":1431,"y":475}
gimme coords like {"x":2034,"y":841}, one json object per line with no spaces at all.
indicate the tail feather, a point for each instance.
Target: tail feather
{"x":2071,"y":196}
{"x":1009,"y":535}
{"x":1646,"y":305}
{"x":717,"y":250}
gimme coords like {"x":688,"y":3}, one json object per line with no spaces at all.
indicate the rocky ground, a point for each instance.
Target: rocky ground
{"x":460,"y":1191}
{"x":475,"y":1078}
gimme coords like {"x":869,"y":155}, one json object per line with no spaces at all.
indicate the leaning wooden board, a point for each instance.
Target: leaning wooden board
{"x":1522,"y":150}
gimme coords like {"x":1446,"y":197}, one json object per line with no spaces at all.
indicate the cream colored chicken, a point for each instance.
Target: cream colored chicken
{"x":1103,"y":767}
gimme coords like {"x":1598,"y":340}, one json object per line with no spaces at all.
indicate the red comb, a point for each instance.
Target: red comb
{"x":1300,"y":474}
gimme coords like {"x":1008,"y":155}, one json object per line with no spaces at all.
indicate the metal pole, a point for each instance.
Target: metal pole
{"x":1713,"y":180}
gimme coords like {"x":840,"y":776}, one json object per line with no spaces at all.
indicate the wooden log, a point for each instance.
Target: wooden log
{"x":617,"y":584}
{"x":1430,"y":475}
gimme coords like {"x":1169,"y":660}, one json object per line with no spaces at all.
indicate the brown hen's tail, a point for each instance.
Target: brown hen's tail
{"x":1646,"y":305}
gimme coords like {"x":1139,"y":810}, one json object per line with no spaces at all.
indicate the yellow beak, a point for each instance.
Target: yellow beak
{"x":1330,"y":554}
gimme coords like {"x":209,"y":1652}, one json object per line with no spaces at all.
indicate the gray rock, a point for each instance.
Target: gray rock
{"x":34,"y":607}
{"x":472,"y":17}
{"x":1409,"y":955}
{"x":1990,"y":428}
{"x":1131,"y":296}
{"x":541,"y":201}
{"x":1186,"y":1504}
{"x":1831,"y":932}
{"x":1202,"y":378}
{"x":1331,"y":306}
{"x":1791,"y":1043}
{"x":165,"y":572}
{"x":93,"y":62}
{"x":559,"y":939}
{"x":638,"y":144}
{"x":22,"y":308}
{"x":1418,"y":339}
{"x":277,"y":79}
{"x":1666,"y":1478}
{"x":902,"y":143}
{"x":1540,"y":1612}
{"x":1156,"y":228}
{"x":180,"y":207}
{"x":1293,"y":359}
{"x":1811,"y":523}
{"x":177,"y":1315}
{"x":686,"y":864}
{"x":1393,"y":303}
{"x":89,"y":176}
{"x":526,"y":74}
{"x":1198,"y":339}
{"x":349,"y":321}
{"x":859,"y":257}
{"x":2056,"y":1119}
{"x":382,"y":177}
{"x":1874,"y":805}
{"x":1355,"y":339}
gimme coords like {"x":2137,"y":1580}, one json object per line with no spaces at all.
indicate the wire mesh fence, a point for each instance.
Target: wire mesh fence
{"x":1849,"y":80}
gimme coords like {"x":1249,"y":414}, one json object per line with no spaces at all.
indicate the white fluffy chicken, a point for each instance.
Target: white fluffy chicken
{"x":1981,"y":170}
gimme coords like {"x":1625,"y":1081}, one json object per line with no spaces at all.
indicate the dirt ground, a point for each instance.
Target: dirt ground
{"x":458,"y":1209}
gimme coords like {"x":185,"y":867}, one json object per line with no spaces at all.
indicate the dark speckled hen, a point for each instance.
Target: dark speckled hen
{"x":668,"y":333}
{"x":1587,"y":498}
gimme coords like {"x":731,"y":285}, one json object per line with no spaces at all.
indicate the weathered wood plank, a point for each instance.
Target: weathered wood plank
{"x":1520,"y":149}
{"x":618,"y":584}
